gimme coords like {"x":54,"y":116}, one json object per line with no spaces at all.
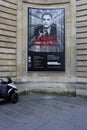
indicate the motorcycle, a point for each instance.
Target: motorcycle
{"x":8,"y":90}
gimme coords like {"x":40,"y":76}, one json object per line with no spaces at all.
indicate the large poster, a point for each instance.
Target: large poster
{"x":46,"y":39}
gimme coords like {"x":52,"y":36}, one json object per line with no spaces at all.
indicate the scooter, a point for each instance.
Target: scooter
{"x":8,"y":90}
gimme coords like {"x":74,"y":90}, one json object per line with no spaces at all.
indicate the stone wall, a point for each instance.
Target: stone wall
{"x":8,"y":38}
{"x":13,"y":44}
{"x":81,"y":40}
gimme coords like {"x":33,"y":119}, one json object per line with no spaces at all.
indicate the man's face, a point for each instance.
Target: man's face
{"x":46,"y":20}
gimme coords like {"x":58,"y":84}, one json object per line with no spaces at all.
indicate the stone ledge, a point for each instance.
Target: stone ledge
{"x":78,"y":89}
{"x":45,"y":2}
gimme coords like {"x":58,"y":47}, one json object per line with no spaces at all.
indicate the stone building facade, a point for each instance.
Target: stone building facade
{"x":13,"y":46}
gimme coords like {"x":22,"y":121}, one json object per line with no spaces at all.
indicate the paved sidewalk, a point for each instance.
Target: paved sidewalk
{"x":44,"y":113}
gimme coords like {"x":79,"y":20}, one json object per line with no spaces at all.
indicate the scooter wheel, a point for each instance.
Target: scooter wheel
{"x":14,"y":97}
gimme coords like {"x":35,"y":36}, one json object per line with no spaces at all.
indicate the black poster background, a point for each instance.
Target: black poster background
{"x":46,"y":52}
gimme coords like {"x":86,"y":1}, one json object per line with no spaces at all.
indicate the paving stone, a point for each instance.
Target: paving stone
{"x":44,"y":113}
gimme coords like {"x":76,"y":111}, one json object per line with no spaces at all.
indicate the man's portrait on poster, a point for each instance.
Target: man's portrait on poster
{"x":46,"y":30}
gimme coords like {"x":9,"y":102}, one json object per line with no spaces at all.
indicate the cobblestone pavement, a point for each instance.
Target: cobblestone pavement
{"x":44,"y":113}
